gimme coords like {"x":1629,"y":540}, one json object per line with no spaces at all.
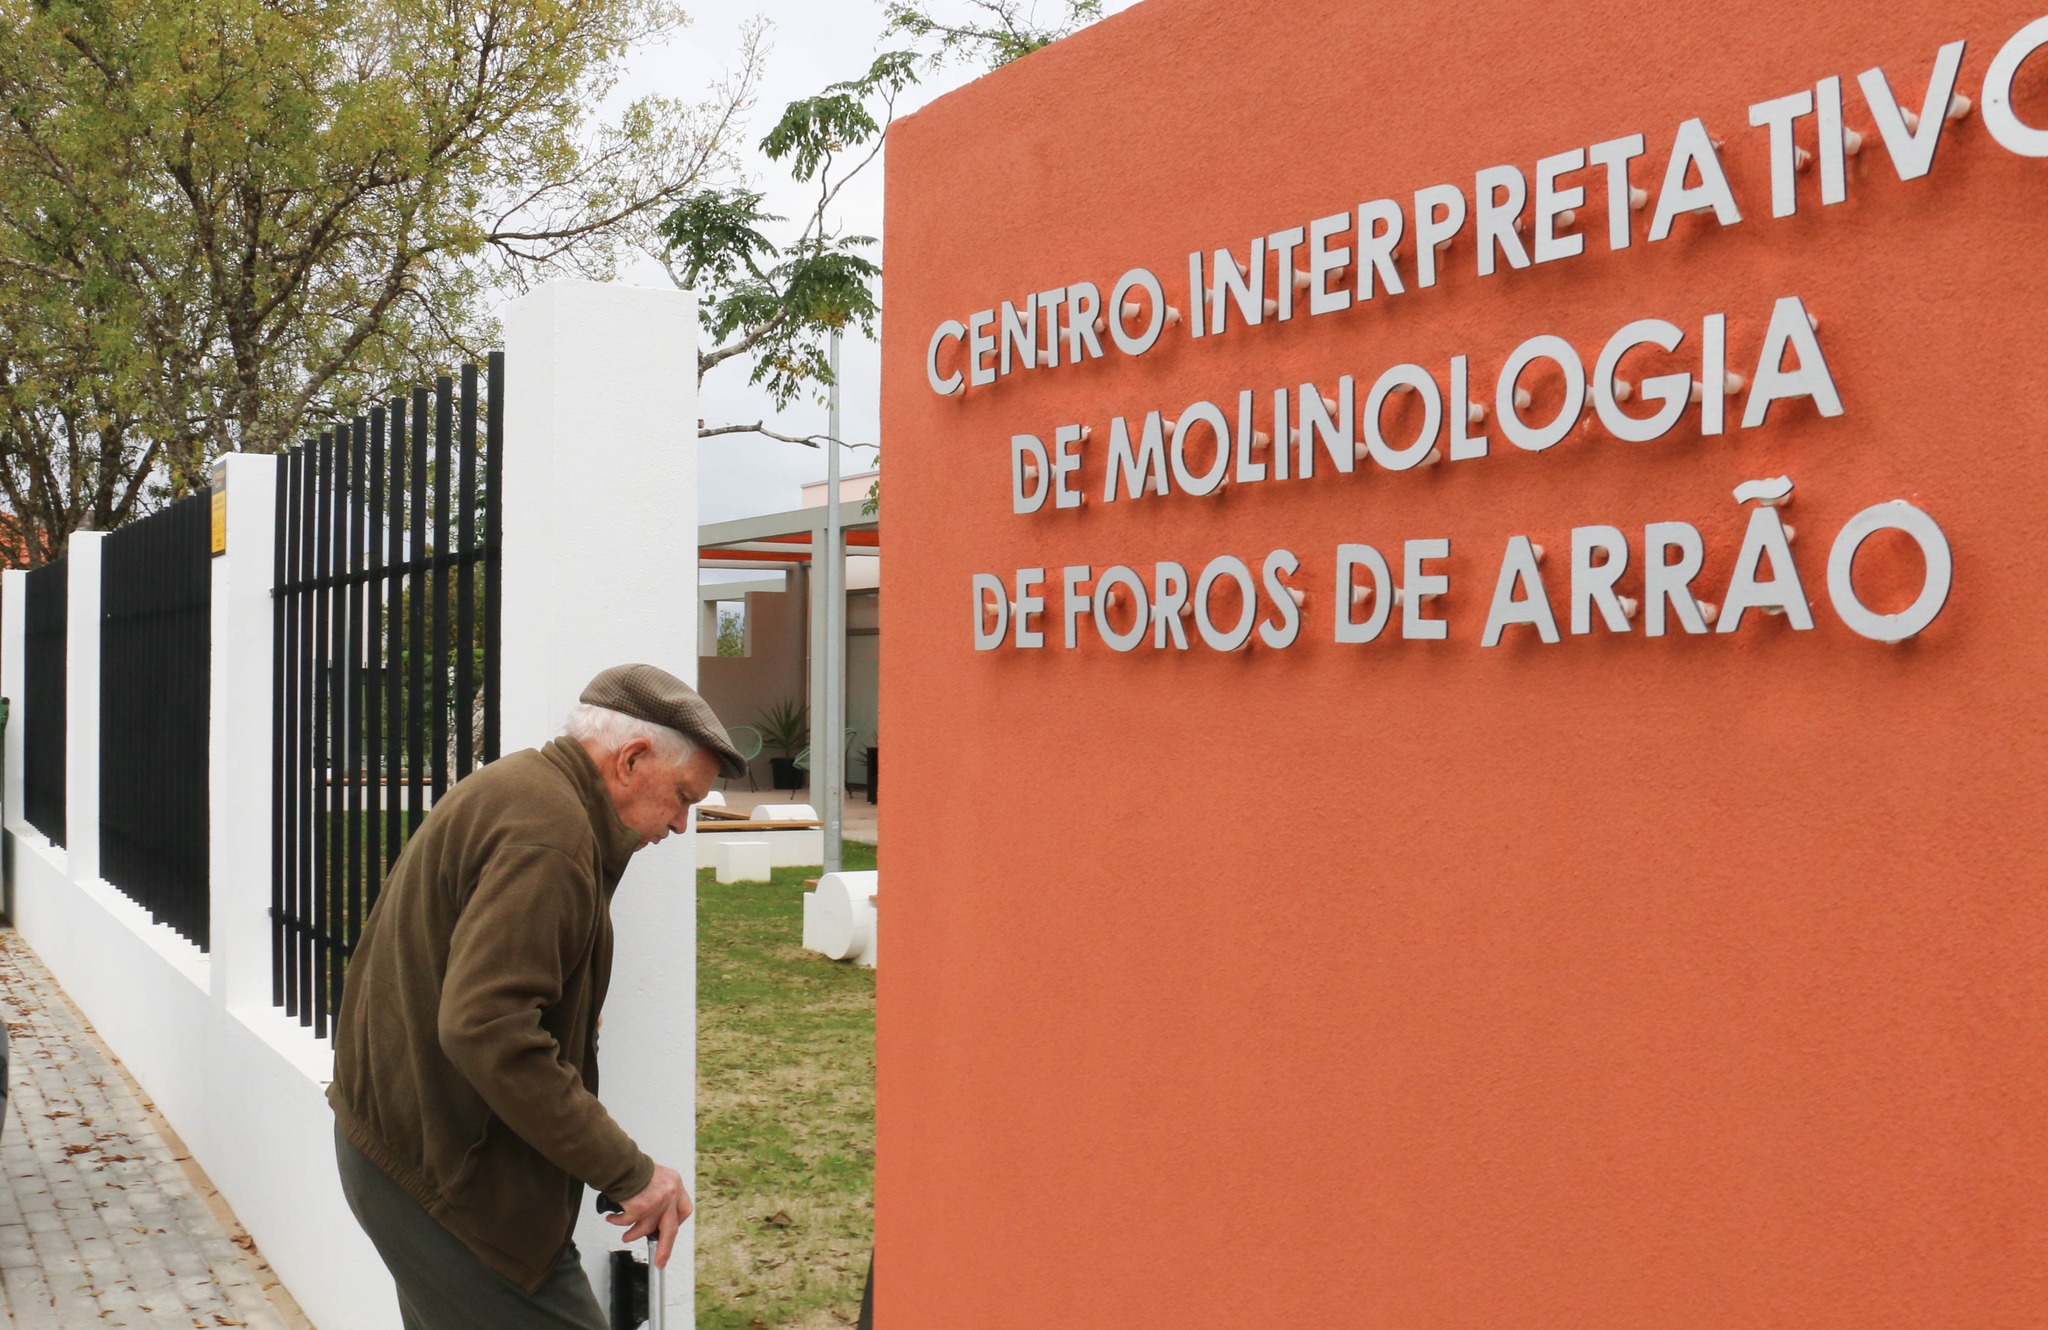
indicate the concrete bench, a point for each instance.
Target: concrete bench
{"x":790,"y":844}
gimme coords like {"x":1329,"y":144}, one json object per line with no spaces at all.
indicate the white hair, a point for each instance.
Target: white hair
{"x":612,"y":730}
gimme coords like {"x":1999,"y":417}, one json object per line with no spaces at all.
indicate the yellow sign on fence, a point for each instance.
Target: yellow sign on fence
{"x":219,"y":489}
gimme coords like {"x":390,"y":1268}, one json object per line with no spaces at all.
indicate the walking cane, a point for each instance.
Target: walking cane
{"x":657,"y":1291}
{"x":630,"y":1278}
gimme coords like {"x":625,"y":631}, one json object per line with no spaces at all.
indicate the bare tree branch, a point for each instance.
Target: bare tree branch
{"x":811,"y":441}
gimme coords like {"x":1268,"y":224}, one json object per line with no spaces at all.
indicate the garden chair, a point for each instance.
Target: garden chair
{"x":803,"y":759}
{"x":747,"y":740}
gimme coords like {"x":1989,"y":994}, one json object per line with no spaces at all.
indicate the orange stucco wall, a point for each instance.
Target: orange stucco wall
{"x":1696,"y":981}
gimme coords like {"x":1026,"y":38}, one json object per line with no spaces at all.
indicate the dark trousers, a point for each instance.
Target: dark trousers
{"x":441,"y":1283}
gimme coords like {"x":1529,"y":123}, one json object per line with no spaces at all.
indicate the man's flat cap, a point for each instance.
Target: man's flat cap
{"x":648,"y":693}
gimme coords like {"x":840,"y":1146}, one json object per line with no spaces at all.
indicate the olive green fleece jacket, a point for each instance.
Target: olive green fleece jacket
{"x":465,"y":1054}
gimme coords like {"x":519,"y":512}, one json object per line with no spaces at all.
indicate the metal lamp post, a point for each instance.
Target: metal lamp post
{"x":828,"y":755}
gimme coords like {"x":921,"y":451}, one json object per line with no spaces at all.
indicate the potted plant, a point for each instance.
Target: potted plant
{"x":785,"y":728}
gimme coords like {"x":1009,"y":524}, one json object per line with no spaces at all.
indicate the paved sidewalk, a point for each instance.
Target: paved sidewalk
{"x":104,"y":1219}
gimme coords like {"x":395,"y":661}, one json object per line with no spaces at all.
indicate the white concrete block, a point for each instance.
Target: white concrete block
{"x":785,"y":813}
{"x":743,"y":860}
{"x":840,"y":917}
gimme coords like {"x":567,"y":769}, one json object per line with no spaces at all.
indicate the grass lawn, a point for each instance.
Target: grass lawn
{"x":785,"y":1112}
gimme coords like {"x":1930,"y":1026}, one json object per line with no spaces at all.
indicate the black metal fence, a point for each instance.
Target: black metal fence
{"x":43,"y":653}
{"x":386,"y":650}
{"x":156,"y":656}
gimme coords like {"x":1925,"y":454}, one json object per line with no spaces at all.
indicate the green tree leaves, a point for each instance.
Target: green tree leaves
{"x":225,"y":222}
{"x":779,"y":304}
{"x":716,"y":234}
{"x":1005,"y":30}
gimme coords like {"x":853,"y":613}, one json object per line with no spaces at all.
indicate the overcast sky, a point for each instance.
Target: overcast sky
{"x":813,"y":43}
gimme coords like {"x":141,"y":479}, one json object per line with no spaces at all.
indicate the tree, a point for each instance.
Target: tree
{"x":732,"y":631}
{"x":224,"y":222}
{"x":995,"y":33}
{"x":779,"y":305}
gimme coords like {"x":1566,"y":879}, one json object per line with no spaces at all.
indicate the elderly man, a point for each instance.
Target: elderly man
{"x":465,"y":1057}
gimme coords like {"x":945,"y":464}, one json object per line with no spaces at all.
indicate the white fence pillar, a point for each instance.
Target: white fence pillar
{"x":13,"y":671}
{"x":266,"y":1136}
{"x":600,"y":568}
{"x":82,"y":705}
{"x":239,"y":732}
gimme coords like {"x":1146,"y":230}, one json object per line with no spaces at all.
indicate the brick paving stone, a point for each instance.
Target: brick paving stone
{"x":14,"y":1248}
{"x":103,"y":1223}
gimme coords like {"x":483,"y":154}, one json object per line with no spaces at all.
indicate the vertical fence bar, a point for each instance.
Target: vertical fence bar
{"x":308,"y":541}
{"x":318,"y":738}
{"x":186,"y":886}
{"x":45,"y":679}
{"x":372,"y":774}
{"x":444,"y":393}
{"x":199,"y":650}
{"x":309,"y":731}
{"x":394,"y":636}
{"x":191,"y":660}
{"x":313,"y":789}
{"x":465,"y":588}
{"x":300,"y":618}
{"x":334,"y":796}
{"x":349,"y":907}
{"x":334,"y":880}
{"x":281,"y":828}
{"x":421,"y":579}
{"x":494,"y":440}
{"x":334,"y":862}
{"x":331,"y":884}
{"x":195,"y":650}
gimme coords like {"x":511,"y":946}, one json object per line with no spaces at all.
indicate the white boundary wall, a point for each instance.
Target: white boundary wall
{"x":242,"y":1083}
{"x":599,"y":568}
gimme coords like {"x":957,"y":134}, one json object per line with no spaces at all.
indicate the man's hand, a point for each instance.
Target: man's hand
{"x":661,"y":1208}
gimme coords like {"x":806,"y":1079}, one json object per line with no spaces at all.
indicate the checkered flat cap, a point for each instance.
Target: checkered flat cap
{"x":649,"y":693}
